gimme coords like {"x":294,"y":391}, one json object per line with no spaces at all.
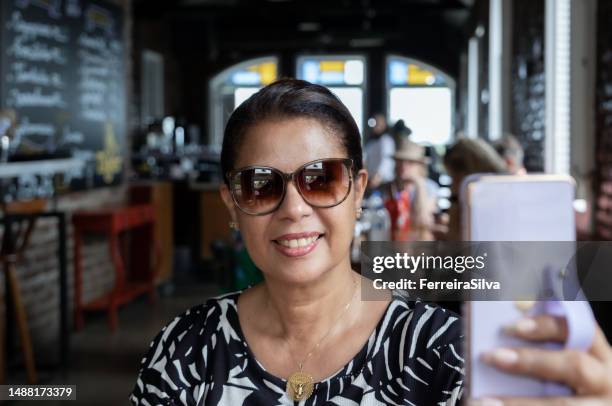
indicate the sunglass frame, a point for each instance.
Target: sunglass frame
{"x":286,"y":177}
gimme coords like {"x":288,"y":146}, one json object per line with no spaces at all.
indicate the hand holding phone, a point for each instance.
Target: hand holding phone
{"x":485,"y":328}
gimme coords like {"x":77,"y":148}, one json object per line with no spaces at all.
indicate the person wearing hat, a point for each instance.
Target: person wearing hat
{"x":411,"y":202}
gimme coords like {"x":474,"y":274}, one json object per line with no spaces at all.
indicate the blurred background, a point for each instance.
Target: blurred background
{"x":111,"y":122}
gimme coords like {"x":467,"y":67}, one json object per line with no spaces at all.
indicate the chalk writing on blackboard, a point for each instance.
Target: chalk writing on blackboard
{"x":64,"y":70}
{"x":53,"y":7}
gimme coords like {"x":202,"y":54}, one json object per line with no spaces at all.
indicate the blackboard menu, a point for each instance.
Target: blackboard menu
{"x":62,"y":67}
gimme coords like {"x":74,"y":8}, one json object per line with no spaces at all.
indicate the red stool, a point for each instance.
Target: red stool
{"x":140,"y":221}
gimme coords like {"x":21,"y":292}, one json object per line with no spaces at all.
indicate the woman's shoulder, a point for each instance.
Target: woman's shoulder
{"x":198,"y":323}
{"x":430,"y":326}
{"x":222,"y":302}
{"x":179,"y":354}
{"x":213,"y":311}
{"x":195,"y":328}
{"x":425,"y":343}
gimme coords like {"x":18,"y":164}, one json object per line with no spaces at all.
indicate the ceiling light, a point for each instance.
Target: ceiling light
{"x":480,"y":31}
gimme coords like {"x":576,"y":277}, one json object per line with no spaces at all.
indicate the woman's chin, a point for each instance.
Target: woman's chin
{"x":302,"y":274}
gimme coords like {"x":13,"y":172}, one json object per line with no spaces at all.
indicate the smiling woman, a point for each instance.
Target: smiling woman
{"x":294,"y":185}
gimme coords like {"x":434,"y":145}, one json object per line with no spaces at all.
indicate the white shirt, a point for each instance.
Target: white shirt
{"x":379,"y":157}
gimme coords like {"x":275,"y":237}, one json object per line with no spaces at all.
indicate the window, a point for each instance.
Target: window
{"x":423,"y":97}
{"x":231,"y":87}
{"x":344,"y":75}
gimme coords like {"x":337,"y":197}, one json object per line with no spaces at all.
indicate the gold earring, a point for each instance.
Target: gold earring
{"x":233,"y":225}
{"x":359,"y":211}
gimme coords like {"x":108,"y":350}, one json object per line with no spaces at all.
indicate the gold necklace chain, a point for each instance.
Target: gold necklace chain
{"x":322,"y":339}
{"x":300,"y":385}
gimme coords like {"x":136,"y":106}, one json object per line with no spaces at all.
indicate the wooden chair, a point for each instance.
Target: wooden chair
{"x":15,"y":240}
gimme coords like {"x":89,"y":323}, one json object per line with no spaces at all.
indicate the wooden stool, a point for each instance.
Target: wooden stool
{"x":113,"y":222}
{"x":14,"y":243}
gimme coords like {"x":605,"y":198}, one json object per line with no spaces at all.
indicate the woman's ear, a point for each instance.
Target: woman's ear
{"x":228,"y":201}
{"x":361,"y":182}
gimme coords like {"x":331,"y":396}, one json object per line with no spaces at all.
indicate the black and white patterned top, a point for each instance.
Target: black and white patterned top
{"x":201,"y":358}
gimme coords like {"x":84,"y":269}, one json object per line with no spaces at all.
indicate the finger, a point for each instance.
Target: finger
{"x":601,"y":347}
{"x":550,"y":401}
{"x":576,"y":369}
{"x":539,"y":328}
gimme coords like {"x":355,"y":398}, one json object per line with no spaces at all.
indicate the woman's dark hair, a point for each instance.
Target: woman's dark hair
{"x":473,"y":155}
{"x":291,"y":98}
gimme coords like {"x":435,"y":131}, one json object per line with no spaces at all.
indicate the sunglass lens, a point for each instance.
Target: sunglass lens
{"x":257,"y":190}
{"x":325,"y":183}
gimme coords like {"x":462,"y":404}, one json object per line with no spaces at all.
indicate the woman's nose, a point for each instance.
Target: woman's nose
{"x":294,"y":206}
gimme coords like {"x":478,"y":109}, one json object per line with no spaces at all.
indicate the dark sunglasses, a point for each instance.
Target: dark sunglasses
{"x":259,"y":190}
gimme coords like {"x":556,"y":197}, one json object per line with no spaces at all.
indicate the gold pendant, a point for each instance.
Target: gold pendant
{"x":300,"y":386}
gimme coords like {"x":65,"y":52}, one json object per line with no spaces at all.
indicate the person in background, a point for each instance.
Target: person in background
{"x":512,"y":153}
{"x":379,"y":150}
{"x":411,"y":198}
{"x":399,"y":132}
{"x":466,"y":157}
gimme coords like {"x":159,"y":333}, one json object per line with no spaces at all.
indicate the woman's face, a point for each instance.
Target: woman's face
{"x":286,"y":145}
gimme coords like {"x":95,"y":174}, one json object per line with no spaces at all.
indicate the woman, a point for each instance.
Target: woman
{"x":294,"y":184}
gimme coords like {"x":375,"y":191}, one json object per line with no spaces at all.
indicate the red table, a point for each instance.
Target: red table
{"x":140,"y":221}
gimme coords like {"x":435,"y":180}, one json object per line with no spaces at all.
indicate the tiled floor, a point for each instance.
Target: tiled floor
{"x":104,"y":365}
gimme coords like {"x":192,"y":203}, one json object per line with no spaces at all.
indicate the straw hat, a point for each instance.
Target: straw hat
{"x":410,"y":151}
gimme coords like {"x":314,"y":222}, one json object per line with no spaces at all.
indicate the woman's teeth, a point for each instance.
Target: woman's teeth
{"x":300,"y":242}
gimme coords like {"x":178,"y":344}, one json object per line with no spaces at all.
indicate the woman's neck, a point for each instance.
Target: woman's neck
{"x":306,"y":313}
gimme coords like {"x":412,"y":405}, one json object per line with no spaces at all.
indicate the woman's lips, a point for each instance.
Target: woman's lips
{"x":297,"y":251}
